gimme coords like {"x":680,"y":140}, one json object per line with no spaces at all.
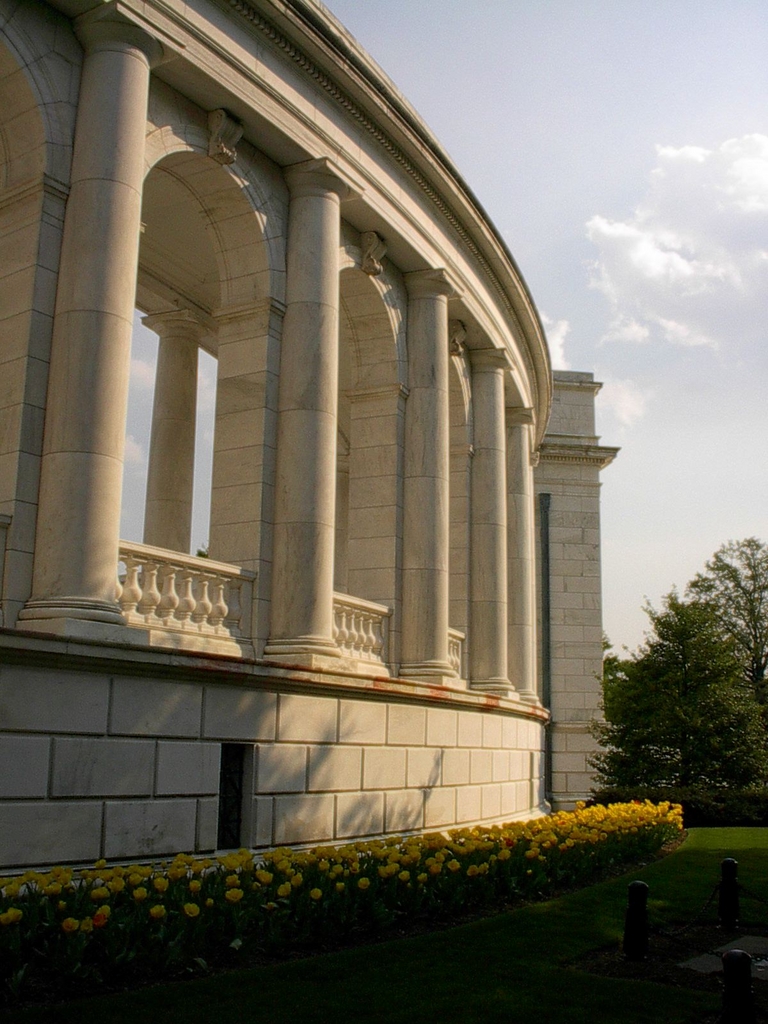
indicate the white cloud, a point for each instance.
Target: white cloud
{"x":626,"y":328}
{"x":683,"y":334}
{"x":624,"y":399}
{"x":143,"y":374}
{"x":134,"y":453}
{"x":556,"y":331}
{"x":688,"y":267}
{"x":696,"y":154}
{"x":748,"y":172}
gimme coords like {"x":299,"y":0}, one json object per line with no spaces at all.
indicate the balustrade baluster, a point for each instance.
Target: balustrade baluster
{"x":150,"y":596}
{"x":233,"y":620}
{"x":342,"y":632}
{"x":131,"y":591}
{"x":187,"y":604}
{"x":455,"y":651}
{"x":360,"y":634}
{"x":204,"y":606}
{"x":378,"y":646}
{"x":220,"y":608}
{"x":169,"y":600}
{"x":355,"y":633}
{"x":370,"y":637}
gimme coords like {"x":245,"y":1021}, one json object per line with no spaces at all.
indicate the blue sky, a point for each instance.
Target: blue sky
{"x":621,"y":148}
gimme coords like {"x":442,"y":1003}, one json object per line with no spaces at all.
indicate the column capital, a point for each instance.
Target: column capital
{"x":431,"y":283}
{"x":395,"y":390}
{"x":176,"y":322}
{"x":489,"y":359}
{"x":320,"y":177}
{"x":519,"y":416}
{"x":108,"y":29}
{"x":267,"y":312}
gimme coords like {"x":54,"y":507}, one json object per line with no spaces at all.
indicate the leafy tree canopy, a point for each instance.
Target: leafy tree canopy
{"x":680,"y":712}
{"x":734,"y":586}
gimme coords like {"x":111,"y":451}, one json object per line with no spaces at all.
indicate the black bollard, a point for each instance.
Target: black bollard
{"x":635,"y":944}
{"x":738,"y":1002}
{"x":728,"y":897}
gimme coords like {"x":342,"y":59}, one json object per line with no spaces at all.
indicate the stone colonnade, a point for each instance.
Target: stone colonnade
{"x":78,"y":527}
{"x":359,"y":655}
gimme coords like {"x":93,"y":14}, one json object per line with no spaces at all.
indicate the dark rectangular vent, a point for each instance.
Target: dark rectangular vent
{"x":231,"y":796}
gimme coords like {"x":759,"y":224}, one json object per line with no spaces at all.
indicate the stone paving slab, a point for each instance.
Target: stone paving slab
{"x":755,"y":945}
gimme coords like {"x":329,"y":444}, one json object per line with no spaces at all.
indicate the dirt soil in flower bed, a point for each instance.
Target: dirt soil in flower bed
{"x":669,"y":949}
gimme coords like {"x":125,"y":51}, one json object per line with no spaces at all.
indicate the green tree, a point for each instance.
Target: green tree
{"x":679,"y":712}
{"x":734,"y":585}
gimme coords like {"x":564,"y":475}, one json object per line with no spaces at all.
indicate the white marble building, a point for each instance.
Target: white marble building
{"x":372,"y":645}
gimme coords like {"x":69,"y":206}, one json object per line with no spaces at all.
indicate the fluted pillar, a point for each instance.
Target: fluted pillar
{"x":305,"y":493}
{"x":426,"y":481}
{"x":170,"y":477}
{"x":76,"y":546}
{"x":521,"y":555}
{"x":488,"y":567}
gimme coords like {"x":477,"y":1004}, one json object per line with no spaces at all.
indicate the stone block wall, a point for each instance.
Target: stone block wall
{"x":98,"y":764}
{"x":568,"y":479}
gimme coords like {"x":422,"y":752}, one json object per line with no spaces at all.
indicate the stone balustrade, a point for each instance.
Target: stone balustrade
{"x":360,"y":628}
{"x":173,"y":593}
{"x":456,"y":651}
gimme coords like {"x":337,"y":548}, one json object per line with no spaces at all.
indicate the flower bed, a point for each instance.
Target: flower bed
{"x":107,"y":923}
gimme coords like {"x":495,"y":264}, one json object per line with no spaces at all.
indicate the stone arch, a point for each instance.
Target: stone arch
{"x":372,"y":368}
{"x":373,"y":311}
{"x":39,"y":78}
{"x":246,"y":230}
{"x":204,"y":250}
{"x":22,"y":127}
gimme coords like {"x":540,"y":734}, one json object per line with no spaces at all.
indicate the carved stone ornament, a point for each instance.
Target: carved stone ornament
{"x":226,"y":132}
{"x":457,"y":332}
{"x":374,"y":249}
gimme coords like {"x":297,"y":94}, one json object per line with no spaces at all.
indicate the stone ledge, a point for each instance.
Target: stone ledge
{"x":91,"y":655}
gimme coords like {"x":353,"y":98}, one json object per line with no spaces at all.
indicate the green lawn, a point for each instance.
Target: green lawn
{"x":510,"y":968}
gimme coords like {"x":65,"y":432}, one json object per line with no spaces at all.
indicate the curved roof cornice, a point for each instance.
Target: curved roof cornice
{"x":342,"y":68}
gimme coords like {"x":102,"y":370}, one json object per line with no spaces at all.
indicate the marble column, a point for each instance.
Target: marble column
{"x":426,"y":481}
{"x":245,"y":444}
{"x":488,"y":565}
{"x":521,"y":555}
{"x":341,"y":541}
{"x":170,"y":477}
{"x":76,"y":547}
{"x":305,"y":491}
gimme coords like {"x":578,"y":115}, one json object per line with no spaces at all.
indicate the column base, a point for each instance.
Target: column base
{"x":501,"y":687}
{"x":310,"y":652}
{"x":75,"y":617}
{"x":435,"y":673}
{"x":530,"y":697}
